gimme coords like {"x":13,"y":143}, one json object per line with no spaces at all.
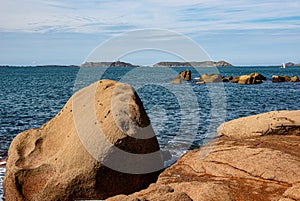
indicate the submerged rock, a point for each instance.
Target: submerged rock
{"x":99,"y":145}
{"x":177,"y":80}
{"x":252,"y":158}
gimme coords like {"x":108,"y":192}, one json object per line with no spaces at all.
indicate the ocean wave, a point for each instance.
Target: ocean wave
{"x":2,"y":174}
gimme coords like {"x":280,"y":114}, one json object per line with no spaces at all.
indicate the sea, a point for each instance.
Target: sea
{"x":184,"y":116}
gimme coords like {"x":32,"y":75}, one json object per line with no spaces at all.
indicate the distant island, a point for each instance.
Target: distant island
{"x":107,"y":64}
{"x":42,"y":66}
{"x":159,"y":64}
{"x":193,"y":63}
{"x":292,"y":64}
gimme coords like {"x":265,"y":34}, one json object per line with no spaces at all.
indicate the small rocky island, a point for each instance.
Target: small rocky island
{"x":107,"y":64}
{"x":292,"y":64}
{"x":192,"y":63}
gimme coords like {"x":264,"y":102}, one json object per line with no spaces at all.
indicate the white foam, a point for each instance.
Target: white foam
{"x":2,"y":174}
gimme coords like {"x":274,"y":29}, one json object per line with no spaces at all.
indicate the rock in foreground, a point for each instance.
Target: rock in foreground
{"x":253,"y":158}
{"x":58,"y":160}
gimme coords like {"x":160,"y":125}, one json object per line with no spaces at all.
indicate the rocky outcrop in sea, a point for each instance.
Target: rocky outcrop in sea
{"x":184,"y":75}
{"x":210,"y":78}
{"x":253,"y":78}
{"x":285,"y":78}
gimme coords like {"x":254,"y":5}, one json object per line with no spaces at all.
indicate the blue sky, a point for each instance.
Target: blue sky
{"x":243,"y":32}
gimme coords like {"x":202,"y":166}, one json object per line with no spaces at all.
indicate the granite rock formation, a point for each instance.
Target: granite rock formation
{"x":251,"y":158}
{"x":99,"y":145}
{"x":227,"y":79}
{"x":253,"y":78}
{"x":210,"y":78}
{"x":184,"y":75}
{"x":276,"y":78}
{"x":284,"y":78}
{"x":294,"y":79}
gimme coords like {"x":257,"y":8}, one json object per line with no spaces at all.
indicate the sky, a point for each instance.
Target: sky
{"x":242,"y":32}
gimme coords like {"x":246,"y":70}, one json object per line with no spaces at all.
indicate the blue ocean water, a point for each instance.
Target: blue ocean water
{"x":183,"y":116}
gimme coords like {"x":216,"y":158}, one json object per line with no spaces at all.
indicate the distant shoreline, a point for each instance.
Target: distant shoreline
{"x":74,"y":66}
{"x":39,"y":66}
{"x":162,"y":64}
{"x":159,"y":64}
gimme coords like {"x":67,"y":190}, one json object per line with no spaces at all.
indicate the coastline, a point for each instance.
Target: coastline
{"x":259,"y":163}
{"x":161,"y":64}
{"x":39,"y":66}
{"x":230,"y":165}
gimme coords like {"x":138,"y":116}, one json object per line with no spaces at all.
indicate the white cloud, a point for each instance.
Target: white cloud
{"x":110,"y":17}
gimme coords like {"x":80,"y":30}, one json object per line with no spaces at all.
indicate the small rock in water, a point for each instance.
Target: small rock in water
{"x":184,"y":75}
{"x":210,"y":78}
{"x":294,"y":79}
{"x":253,"y":78}
{"x":276,"y":78}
